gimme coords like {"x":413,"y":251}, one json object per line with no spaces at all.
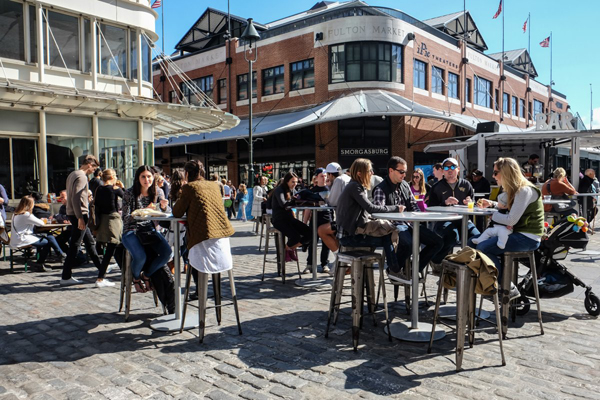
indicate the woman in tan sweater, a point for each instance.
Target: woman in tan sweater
{"x":208,"y":226}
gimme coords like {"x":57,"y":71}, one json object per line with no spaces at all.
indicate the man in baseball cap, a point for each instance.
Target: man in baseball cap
{"x":333,"y":168}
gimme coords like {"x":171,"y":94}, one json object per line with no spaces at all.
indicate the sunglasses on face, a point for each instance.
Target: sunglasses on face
{"x":450,"y":167}
{"x":401,"y":171}
{"x":416,"y":176}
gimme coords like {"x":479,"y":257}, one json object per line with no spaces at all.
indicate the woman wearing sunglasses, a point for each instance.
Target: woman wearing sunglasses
{"x":525,"y":215}
{"x":419,"y":188}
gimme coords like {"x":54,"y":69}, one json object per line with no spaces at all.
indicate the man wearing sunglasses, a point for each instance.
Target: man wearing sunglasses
{"x":452,"y":190}
{"x":394,"y":190}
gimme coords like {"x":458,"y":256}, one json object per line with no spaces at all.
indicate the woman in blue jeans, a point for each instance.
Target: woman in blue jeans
{"x":140,"y":238}
{"x":354,"y":209}
{"x":525,"y":216}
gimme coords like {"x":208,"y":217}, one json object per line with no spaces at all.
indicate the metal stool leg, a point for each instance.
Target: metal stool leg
{"x":282,"y":256}
{"x":123,"y":283}
{"x":499,"y":327}
{"x":262,"y":229}
{"x":128,"y":283}
{"x":202,"y":295}
{"x":234,"y":298}
{"x":533,"y":267}
{"x":437,"y":308}
{"x":357,"y":284}
{"x":265,"y":256}
{"x":216,"y":279}
{"x":385,"y":305}
{"x":188,"y":276}
{"x":332,"y":300}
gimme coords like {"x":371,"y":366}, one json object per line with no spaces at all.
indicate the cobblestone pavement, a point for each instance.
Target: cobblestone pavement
{"x":58,"y":343}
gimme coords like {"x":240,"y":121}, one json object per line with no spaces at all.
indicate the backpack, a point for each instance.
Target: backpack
{"x":93,"y":222}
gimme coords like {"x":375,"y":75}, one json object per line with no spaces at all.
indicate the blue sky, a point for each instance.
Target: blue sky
{"x":576,"y":52}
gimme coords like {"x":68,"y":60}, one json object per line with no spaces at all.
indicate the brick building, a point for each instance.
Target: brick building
{"x":344,"y":80}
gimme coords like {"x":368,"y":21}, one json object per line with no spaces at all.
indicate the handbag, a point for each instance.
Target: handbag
{"x":228,"y":203}
{"x":93,"y":222}
{"x":148,"y":238}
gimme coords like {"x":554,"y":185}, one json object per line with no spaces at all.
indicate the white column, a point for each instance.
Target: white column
{"x":43,"y":154}
{"x":95,"y":137}
{"x":40,"y":40}
{"x":140,"y":143}
{"x":139,"y":56}
{"x":481,"y":153}
{"x":575,"y":154}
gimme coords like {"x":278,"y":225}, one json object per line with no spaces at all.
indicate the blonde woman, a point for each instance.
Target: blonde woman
{"x":419,"y":188}
{"x":525,"y":215}
{"x":242,"y":198}
{"x":109,"y":221}
{"x":21,"y":235}
{"x":353,"y":212}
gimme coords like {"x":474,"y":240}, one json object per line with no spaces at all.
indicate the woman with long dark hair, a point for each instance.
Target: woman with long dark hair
{"x":141,"y":238}
{"x":419,"y":188}
{"x":297,"y":233}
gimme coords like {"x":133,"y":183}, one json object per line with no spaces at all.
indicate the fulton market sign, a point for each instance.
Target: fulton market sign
{"x":364,"y":28}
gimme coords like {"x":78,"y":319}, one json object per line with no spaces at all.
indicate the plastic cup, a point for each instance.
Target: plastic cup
{"x":470,"y":204}
{"x":547,"y":197}
{"x":45,"y":220}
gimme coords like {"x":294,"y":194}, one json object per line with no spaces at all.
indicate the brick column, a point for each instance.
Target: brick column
{"x":326,"y":143}
{"x":232,"y":164}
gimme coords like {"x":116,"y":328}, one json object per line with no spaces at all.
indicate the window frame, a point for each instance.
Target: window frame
{"x":487,"y":93}
{"x":416,"y":71}
{"x":383,"y":61}
{"x":254,"y":86}
{"x":506,"y":103}
{"x":302,"y":72}
{"x":536,"y":102}
{"x":437,"y":81}
{"x":201,"y":83}
{"x":453,"y":87}
{"x":514,"y":106}
{"x":222,"y":86}
{"x":468,"y":86}
{"x":278,"y":74}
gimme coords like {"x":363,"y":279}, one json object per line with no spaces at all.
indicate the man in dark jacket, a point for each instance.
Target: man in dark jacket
{"x":451,"y":190}
{"x":586,"y":185}
{"x":480,"y":183}
{"x":394,"y":190}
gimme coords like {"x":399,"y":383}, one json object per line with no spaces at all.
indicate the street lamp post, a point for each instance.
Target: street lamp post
{"x":250,"y":36}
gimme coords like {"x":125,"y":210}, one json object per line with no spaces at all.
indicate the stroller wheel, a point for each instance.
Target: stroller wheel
{"x":522,"y":305}
{"x":592,"y":304}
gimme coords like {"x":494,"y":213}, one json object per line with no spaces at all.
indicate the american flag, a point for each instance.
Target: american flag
{"x":525,"y":25}
{"x":545,"y":42}
{"x":499,"y":10}
{"x":157,"y":4}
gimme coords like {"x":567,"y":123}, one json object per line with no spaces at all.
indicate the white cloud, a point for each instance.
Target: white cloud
{"x":596,"y":116}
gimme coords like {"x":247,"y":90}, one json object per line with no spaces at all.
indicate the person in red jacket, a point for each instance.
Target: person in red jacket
{"x":558,"y":187}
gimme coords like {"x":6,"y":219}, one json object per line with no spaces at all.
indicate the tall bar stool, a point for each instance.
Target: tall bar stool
{"x":202,"y":298}
{"x":510,"y":274}
{"x":265,"y":224}
{"x":127,"y":283}
{"x":465,"y":309}
{"x":407,"y":288}
{"x":280,"y":254}
{"x":360,"y":263}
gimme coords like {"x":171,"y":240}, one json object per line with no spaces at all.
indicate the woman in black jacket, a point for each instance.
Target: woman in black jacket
{"x":298,"y":233}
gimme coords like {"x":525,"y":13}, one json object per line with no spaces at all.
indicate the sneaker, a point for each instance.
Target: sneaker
{"x":514,"y":292}
{"x":325,"y":269}
{"x":104,"y":283}
{"x":436,"y":268}
{"x":307,"y":270}
{"x":193,"y":296}
{"x":112,"y":267}
{"x":37,"y":267}
{"x":69,"y":282}
{"x":397,"y":277}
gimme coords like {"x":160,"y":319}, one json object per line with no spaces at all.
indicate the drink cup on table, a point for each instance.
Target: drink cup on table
{"x":470,"y":204}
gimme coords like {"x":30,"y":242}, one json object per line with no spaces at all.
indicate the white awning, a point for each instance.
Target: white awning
{"x":453,"y":146}
{"x":168,"y":119}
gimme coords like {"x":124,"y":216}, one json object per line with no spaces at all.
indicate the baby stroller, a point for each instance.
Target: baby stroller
{"x":554,"y":279}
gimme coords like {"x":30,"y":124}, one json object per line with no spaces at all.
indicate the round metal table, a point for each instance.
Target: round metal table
{"x":314,"y":281}
{"x":414,"y":331}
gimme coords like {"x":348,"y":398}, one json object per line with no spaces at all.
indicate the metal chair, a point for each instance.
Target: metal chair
{"x":265,"y":224}
{"x":202,"y":298}
{"x":280,"y":254}
{"x":465,"y":309}
{"x":359,"y":262}
{"x":126,"y":284}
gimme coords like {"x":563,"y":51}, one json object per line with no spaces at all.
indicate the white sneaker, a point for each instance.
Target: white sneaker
{"x":104,"y":283}
{"x":326,"y":269}
{"x":69,"y":282}
{"x":112,"y":267}
{"x":514,"y":292}
{"x":307,"y":270}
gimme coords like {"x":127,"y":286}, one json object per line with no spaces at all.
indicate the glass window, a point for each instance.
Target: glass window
{"x":538,"y":107}
{"x":505,"y":104}
{"x":559,"y":105}
{"x":122,"y":156}
{"x":496,"y":99}
{"x":437,"y":80}
{"x":468,"y":90}
{"x":133,"y":59}
{"x":397,"y":64}
{"x":530,"y":112}
{"x":32,"y":35}
{"x":242,"y":86}
{"x":303,"y":74}
{"x":338,"y":63}
{"x":353,"y":62}
{"x":483,"y":92}
{"x":420,"y":74}
{"x":522,"y":108}
{"x":452,"y":85}
{"x":146,"y":61}
{"x":87,"y":45}
{"x":273,"y":80}
{"x":514,"y":106}
{"x":222,"y":83}
{"x":369,"y":61}
{"x":189,"y":90}
{"x":384,"y":67}
{"x":116,"y":42}
{"x":63,"y":30}
{"x":12,"y":40}
{"x":25,"y":167}
{"x":5,"y":166}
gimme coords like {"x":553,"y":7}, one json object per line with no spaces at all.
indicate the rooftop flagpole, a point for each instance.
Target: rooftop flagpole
{"x":162,"y":11}
{"x":529,"y":42}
